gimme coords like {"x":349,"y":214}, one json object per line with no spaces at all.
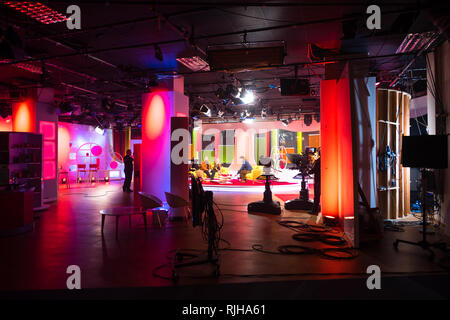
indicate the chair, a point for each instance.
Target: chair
{"x":175,"y":202}
{"x":93,"y":171}
{"x":149,"y":202}
{"x":81,"y":168}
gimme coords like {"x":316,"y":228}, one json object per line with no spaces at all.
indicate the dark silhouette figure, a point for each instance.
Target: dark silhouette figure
{"x":128,"y":169}
{"x":316,"y":171}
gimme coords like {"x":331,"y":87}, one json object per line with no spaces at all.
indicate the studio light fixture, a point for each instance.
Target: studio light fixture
{"x":247,"y":96}
{"x":106,"y":179}
{"x":205,"y":110}
{"x":307,"y":119}
{"x":25,"y":66}
{"x":317,"y":117}
{"x":37,"y":11}
{"x":99,"y":130}
{"x":194,"y":63}
{"x":193,"y":59}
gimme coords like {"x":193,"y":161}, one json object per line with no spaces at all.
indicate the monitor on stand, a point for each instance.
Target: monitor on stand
{"x":415,"y":155}
{"x":303,"y":163}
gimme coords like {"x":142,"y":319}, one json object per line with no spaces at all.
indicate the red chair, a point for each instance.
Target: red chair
{"x":81,"y":168}
{"x":93,"y":171}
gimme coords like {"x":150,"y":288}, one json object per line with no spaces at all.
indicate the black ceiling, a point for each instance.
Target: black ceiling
{"x":113,"y":55}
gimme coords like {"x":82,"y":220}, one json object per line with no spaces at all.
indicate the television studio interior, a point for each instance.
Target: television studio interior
{"x":224,"y":150}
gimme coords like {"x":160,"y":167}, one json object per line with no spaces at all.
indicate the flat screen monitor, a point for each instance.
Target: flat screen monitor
{"x":427,"y":151}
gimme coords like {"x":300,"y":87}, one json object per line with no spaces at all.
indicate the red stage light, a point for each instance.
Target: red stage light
{"x":37,"y":11}
{"x":24,"y":116}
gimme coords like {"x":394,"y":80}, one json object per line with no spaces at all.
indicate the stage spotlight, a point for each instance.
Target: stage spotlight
{"x":64,"y":180}
{"x":307,"y":119}
{"x":158,"y":53}
{"x":99,"y":130}
{"x":92,"y":179}
{"x":106,"y":179}
{"x":247,"y":96}
{"x":79,"y":180}
{"x":205,"y":110}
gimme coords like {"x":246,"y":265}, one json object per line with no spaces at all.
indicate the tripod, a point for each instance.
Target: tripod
{"x":424,"y":244}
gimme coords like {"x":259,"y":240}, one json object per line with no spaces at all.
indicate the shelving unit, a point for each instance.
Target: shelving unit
{"x":393,"y":185}
{"x":21,"y":162}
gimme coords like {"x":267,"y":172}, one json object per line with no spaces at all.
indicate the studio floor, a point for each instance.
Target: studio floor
{"x":69,"y":233}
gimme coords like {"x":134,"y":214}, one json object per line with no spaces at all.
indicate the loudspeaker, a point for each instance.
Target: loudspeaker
{"x":294,"y":87}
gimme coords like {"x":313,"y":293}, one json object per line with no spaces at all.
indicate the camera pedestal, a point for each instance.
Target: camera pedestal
{"x":302,"y":203}
{"x":267,"y":205}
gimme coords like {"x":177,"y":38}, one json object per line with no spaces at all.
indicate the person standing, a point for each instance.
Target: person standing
{"x":128,"y":169}
{"x":316,"y":171}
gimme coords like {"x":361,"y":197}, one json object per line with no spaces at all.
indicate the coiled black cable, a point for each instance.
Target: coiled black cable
{"x":325,"y":238}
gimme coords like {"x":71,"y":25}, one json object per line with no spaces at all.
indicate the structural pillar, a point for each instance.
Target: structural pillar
{"x":158,"y":108}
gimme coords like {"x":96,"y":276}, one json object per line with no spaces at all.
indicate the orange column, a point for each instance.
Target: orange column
{"x":336,"y":149}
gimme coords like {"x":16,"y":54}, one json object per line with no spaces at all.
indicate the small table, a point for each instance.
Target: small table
{"x":123,"y":211}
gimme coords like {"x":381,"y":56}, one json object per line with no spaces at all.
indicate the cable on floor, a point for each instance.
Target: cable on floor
{"x":324,"y":238}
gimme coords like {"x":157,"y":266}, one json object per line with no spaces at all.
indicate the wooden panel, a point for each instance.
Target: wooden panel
{"x":392,"y":123}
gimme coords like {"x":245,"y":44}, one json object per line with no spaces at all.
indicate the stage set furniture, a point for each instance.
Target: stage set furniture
{"x":224,"y":174}
{"x":393,"y":180}
{"x":81,"y":170}
{"x":65,"y":175}
{"x":21,"y":163}
{"x":175,"y":202}
{"x":16,"y":215}
{"x":123,"y":211}
{"x":148,"y":202}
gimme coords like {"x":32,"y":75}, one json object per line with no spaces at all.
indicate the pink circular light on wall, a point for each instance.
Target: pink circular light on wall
{"x":113,"y":165}
{"x":96,"y":150}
